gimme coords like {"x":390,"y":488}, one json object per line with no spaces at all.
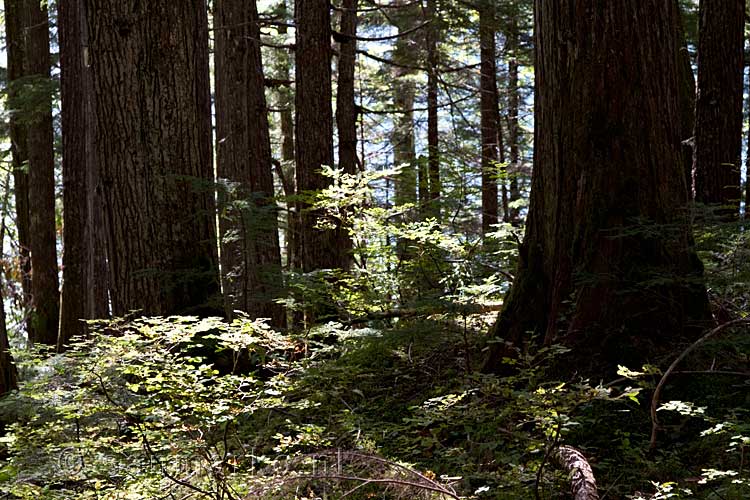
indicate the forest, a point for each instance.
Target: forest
{"x":374,"y":249}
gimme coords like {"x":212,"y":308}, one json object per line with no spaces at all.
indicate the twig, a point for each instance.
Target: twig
{"x":546,"y":457}
{"x":657,"y":392}
{"x":338,"y":36}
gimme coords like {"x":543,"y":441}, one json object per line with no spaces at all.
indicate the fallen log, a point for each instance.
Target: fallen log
{"x":582,"y":481}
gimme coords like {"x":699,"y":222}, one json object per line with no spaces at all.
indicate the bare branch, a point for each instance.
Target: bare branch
{"x":339,"y":37}
{"x":277,"y":82}
{"x":657,"y":392}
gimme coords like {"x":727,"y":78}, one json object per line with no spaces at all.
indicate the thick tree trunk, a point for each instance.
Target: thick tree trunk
{"x":433,"y":146}
{"x":149,"y":63}
{"x":16,"y":45}
{"x":718,"y":106}
{"x":251,"y":258}
{"x":76,"y":247}
{"x":489,"y":119}
{"x":321,"y":248}
{"x":514,"y":129}
{"x":97,"y":299}
{"x":346,"y":110}
{"x":607,"y":265}
{"x":44,"y":285}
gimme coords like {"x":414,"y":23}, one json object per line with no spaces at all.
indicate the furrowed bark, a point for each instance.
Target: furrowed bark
{"x":321,"y":248}
{"x":607,"y":265}
{"x":149,"y":64}
{"x":718,"y":105}
{"x":251,"y":258}
{"x":43,"y":326}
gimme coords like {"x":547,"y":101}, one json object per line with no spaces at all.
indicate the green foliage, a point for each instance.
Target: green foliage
{"x":128,"y":408}
{"x":29,"y":98}
{"x":402,"y":261}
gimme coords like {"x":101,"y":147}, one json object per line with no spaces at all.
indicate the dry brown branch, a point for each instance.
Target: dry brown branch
{"x":343,"y":468}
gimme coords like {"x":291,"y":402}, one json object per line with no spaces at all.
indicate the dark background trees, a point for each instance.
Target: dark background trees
{"x":448,"y":85}
{"x":718,"y":105}
{"x":441,"y":90}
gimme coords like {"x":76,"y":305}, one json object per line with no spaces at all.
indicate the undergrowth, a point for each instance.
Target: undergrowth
{"x":188,"y":408}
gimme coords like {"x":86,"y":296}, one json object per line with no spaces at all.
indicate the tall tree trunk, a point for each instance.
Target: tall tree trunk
{"x":489,"y":119}
{"x":99,"y":281}
{"x":433,"y":146}
{"x":687,"y":103}
{"x":15,"y":41}
{"x":149,"y":63}
{"x":718,"y":106}
{"x":402,"y":139}
{"x":346,"y":110}
{"x":514,"y":129}
{"x":251,"y":258}
{"x":73,"y":304}
{"x":44,"y":284}
{"x":286,"y":121}
{"x":404,"y":92}
{"x":8,"y":371}
{"x":97,"y":299}
{"x":607,"y":265}
{"x":503,"y":171}
{"x":321,"y":248}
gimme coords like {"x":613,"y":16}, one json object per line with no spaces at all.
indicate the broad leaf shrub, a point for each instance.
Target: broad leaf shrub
{"x":139,"y":410}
